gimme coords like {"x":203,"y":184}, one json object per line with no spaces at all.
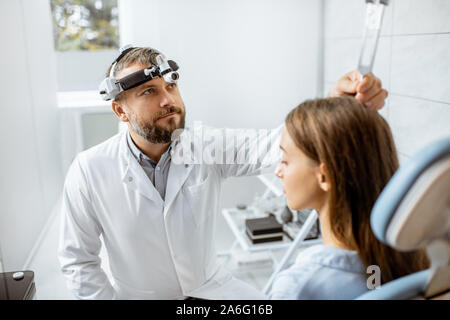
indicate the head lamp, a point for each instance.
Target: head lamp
{"x":166,"y":69}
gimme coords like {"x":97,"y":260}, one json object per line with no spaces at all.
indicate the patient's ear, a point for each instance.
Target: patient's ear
{"x":322,"y":178}
{"x":118,"y":109}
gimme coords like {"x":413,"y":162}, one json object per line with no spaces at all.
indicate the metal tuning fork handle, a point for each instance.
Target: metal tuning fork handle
{"x":373,"y":22}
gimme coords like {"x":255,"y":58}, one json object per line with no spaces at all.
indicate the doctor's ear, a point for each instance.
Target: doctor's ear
{"x":118,"y":109}
{"x":322,"y":178}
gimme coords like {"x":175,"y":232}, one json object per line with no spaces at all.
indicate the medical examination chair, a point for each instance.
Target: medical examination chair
{"x":413,"y":212}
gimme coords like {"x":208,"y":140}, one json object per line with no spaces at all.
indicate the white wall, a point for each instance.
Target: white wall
{"x":413,"y":61}
{"x":82,"y":70}
{"x":31,"y":178}
{"x":242,"y":63}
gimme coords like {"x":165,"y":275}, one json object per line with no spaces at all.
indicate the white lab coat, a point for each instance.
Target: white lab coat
{"x":157,"y":249}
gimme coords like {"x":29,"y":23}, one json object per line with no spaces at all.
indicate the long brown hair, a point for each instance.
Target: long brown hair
{"x":356,"y":146}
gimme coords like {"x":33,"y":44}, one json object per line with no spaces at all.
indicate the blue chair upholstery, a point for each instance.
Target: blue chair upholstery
{"x":428,"y":165}
{"x":406,"y":288}
{"x":394,"y":192}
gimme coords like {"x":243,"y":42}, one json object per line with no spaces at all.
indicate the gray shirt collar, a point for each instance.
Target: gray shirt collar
{"x":140,"y":156}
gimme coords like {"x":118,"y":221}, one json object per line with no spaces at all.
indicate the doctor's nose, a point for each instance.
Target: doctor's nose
{"x":167,"y":99}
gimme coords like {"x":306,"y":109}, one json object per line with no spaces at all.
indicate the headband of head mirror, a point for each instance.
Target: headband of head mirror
{"x":166,"y":69}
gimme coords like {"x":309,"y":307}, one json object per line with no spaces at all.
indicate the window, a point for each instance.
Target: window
{"x":85,"y":24}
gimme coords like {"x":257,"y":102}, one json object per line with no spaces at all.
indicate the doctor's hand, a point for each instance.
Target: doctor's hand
{"x":368,"y":91}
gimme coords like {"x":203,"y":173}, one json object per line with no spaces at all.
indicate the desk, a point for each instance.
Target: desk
{"x":235,"y":219}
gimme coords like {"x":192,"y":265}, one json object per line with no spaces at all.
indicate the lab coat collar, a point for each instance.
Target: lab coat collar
{"x":134,"y":176}
{"x":178,"y":174}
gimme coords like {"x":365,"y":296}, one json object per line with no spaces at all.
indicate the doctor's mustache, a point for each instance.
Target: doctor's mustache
{"x":171,"y":109}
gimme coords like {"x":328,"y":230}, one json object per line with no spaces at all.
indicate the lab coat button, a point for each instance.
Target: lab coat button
{"x":130,"y":179}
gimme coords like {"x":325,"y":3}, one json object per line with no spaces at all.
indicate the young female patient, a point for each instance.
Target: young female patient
{"x":337,"y":157}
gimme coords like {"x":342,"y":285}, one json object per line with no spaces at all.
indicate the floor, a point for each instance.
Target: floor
{"x":255,"y":269}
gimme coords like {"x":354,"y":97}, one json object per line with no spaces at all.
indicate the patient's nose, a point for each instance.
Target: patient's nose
{"x":278,"y":172}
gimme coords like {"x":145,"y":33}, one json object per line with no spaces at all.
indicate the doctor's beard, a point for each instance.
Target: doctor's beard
{"x":152,"y":131}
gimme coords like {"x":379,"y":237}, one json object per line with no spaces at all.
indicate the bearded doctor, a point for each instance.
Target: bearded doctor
{"x":157,"y":215}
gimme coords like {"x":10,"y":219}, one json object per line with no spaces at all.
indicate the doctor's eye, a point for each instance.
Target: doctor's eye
{"x":148,"y":91}
{"x":172,"y":85}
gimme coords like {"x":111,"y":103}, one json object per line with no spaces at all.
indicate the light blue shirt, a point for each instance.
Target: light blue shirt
{"x":322,"y":272}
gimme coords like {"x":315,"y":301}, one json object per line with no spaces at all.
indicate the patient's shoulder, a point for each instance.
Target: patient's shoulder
{"x":322,"y":272}
{"x":332,"y":257}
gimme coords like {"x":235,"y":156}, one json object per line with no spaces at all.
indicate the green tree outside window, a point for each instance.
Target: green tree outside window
{"x":85,"y":24}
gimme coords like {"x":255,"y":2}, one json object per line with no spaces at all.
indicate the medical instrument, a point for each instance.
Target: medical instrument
{"x":374,"y":19}
{"x":166,"y":69}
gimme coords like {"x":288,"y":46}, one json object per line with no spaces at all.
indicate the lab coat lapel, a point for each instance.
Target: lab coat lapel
{"x":178,"y":174}
{"x":134,"y":176}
